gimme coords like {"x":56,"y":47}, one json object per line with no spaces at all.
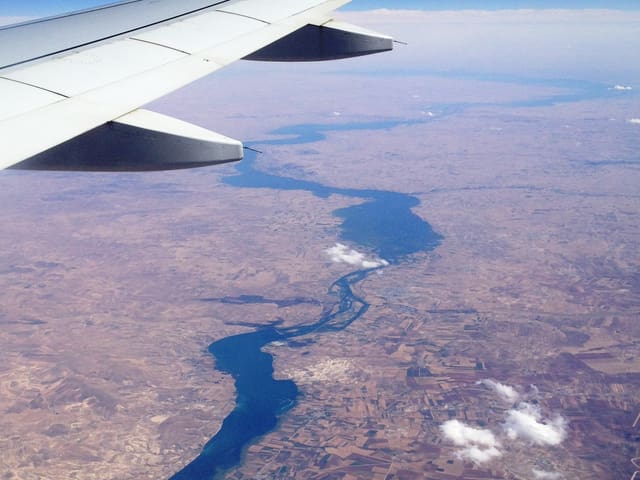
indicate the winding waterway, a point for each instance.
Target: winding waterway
{"x":260,"y":398}
{"x":382,"y":223}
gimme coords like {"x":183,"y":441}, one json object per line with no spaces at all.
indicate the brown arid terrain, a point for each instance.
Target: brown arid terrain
{"x":104,"y":371}
{"x":522,"y":325}
{"x":535,"y":286}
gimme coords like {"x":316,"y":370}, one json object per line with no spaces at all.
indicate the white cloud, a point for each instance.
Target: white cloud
{"x":463,"y":435}
{"x":622,"y":88}
{"x":479,"y":455}
{"x":526,"y":422}
{"x":634,"y":121}
{"x":505,"y":392}
{"x":544,"y":475}
{"x":477,"y":445}
{"x":524,"y":425}
{"x":342,"y":254}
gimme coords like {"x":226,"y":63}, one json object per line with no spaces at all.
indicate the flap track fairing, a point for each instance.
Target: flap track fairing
{"x":139,"y":141}
{"x":329,"y":41}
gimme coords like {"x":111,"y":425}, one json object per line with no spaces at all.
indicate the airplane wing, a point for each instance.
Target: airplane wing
{"x":71,"y":86}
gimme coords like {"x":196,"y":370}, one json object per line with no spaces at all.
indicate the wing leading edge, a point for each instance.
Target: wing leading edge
{"x":71,"y":86}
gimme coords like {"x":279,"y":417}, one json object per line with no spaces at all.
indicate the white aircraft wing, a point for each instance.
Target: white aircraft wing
{"x":71,"y":86}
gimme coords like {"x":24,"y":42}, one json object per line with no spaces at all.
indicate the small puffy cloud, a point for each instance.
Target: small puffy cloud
{"x":463,"y":435}
{"x":544,"y":475}
{"x":505,"y":392}
{"x":526,"y":423}
{"x":342,"y":254}
{"x":478,"y":445}
{"x":634,"y":121}
{"x":523,"y":425}
{"x":479,"y":455}
{"x":622,"y":88}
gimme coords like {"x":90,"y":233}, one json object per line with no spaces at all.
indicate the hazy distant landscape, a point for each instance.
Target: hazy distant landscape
{"x":507,"y":348}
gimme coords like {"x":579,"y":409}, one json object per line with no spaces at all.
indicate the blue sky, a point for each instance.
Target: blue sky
{"x":492,"y":4}
{"x":49,"y":7}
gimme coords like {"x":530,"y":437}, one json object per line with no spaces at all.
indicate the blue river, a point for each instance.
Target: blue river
{"x":382,"y":223}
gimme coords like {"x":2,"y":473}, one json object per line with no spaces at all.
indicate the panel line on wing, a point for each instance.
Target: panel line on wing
{"x":245,"y":16}
{"x":34,"y":86}
{"x":115,"y":35}
{"x":68,"y":15}
{"x":157,"y":44}
{"x":97,"y":67}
